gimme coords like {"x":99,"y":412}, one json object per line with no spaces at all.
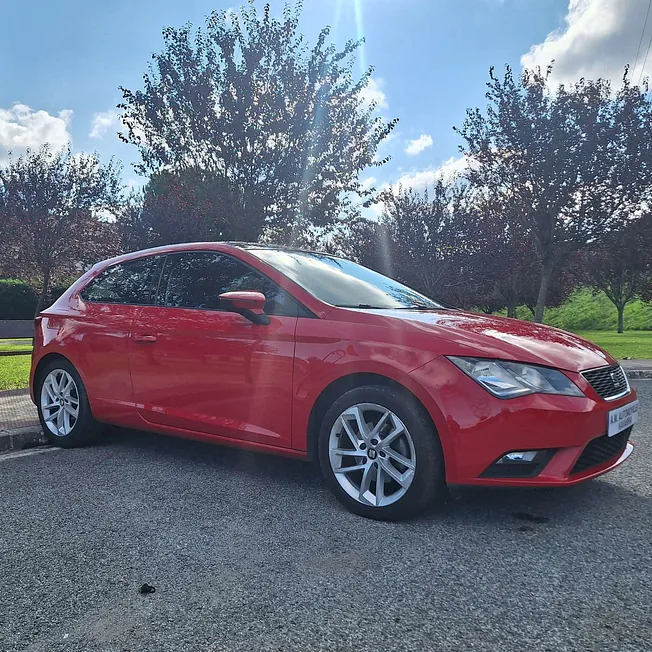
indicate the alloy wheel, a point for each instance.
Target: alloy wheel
{"x":60,"y":402}
{"x":372,"y":454}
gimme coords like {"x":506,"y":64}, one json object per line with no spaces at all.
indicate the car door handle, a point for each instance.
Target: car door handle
{"x":141,"y":337}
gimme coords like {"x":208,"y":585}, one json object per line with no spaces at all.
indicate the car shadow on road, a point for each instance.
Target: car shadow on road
{"x":605,"y":499}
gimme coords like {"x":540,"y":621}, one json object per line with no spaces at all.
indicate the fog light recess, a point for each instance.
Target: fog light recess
{"x":519,"y":464}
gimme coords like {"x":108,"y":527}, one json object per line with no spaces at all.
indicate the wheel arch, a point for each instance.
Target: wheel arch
{"x":47,"y":358}
{"x":342,"y":385}
{"x":41,"y":364}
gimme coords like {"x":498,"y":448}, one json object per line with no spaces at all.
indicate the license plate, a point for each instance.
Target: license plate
{"x":622,"y":418}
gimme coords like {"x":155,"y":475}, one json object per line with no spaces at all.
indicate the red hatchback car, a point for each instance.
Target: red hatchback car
{"x":313,"y":356}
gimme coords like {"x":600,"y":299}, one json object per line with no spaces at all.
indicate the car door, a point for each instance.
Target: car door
{"x":198,"y":367}
{"x":101,"y":322}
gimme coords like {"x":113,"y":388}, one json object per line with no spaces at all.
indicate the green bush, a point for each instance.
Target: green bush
{"x":17,"y":300}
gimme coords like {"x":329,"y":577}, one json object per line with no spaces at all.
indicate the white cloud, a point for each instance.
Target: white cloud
{"x":103,"y":122}
{"x":422,"y":179}
{"x":22,"y":127}
{"x":418,"y":180}
{"x":599,"y":38}
{"x":373,"y":92}
{"x":417,"y":146}
{"x":135,"y":184}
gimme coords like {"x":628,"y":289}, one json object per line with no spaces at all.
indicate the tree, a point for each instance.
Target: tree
{"x":415,"y":241}
{"x":51,"y":203}
{"x":188,"y":206}
{"x":622,"y":265}
{"x":497,"y":262}
{"x":574,"y":163}
{"x":246,"y":99}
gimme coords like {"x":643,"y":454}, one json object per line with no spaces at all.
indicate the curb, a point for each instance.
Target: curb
{"x":639,"y":374}
{"x":21,"y":438}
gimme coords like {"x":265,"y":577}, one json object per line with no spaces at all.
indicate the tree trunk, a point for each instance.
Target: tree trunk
{"x":546,"y":274}
{"x":511,"y":308}
{"x":44,"y":293}
{"x":621,"y":317}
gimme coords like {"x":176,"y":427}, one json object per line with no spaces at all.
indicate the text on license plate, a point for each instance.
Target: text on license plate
{"x":622,"y":418}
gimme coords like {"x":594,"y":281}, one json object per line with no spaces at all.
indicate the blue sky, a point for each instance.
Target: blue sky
{"x":64,"y":60}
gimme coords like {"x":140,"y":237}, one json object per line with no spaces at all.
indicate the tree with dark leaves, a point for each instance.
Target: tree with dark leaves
{"x":415,"y":240}
{"x":186,"y":206}
{"x":574,"y":163}
{"x":53,"y":209}
{"x":247,"y":100}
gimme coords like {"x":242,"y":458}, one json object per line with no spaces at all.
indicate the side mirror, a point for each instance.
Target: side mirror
{"x":248,"y":304}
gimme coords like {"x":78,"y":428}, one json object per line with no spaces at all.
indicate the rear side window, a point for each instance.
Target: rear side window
{"x":195,"y":280}
{"x":129,"y":283}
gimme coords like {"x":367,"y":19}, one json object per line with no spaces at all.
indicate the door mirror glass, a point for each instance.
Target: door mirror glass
{"x":248,"y":304}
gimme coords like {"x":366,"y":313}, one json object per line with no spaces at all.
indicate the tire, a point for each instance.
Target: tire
{"x":71,"y":430}
{"x":421,"y":477}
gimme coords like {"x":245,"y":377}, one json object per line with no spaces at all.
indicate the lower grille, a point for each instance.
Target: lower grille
{"x":601,"y":450}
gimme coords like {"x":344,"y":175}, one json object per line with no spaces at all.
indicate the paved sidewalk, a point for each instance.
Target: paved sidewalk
{"x":19,"y":424}
{"x":17,"y":410}
{"x":636,"y":364}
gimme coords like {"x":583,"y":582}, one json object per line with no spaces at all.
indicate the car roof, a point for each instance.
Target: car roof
{"x":224,"y":246}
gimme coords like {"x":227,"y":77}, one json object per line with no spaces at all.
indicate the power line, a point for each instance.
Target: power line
{"x":640,"y":77}
{"x":642,"y":34}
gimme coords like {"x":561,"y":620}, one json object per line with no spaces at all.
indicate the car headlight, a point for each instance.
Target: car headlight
{"x":509,"y":379}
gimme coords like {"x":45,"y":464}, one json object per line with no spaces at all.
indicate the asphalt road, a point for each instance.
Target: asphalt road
{"x":249,"y":552}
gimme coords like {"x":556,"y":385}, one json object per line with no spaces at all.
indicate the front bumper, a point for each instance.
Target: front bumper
{"x":476,"y":429}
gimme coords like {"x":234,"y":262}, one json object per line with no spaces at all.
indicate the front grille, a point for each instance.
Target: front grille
{"x":608,"y":382}
{"x":601,"y":450}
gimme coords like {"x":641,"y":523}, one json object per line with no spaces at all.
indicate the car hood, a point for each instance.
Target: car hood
{"x":511,"y":339}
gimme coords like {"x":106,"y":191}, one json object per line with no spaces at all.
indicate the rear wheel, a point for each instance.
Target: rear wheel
{"x":63,"y":407}
{"x":380,"y":454}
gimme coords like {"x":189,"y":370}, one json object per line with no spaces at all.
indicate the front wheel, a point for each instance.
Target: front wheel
{"x":63,"y":408}
{"x":380,"y":454}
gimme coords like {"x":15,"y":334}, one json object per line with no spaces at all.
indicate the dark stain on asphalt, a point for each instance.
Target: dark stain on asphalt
{"x":531,"y":518}
{"x":145,"y":589}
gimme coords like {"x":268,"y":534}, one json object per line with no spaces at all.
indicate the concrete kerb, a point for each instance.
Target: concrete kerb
{"x":18,"y":439}
{"x":639,"y":374}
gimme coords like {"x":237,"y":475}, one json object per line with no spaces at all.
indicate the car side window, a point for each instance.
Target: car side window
{"x":195,"y":280}
{"x":129,"y":283}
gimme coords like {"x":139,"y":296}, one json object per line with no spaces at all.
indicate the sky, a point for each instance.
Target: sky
{"x":63,"y":63}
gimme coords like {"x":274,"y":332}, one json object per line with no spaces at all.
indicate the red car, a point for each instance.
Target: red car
{"x":315,"y":357}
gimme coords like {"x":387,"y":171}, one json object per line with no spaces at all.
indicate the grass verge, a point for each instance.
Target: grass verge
{"x":16,"y":345}
{"x":630,"y":344}
{"x":14,"y":372}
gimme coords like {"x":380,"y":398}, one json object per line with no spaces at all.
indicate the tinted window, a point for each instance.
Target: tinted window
{"x":342,"y":282}
{"x":125,"y":283}
{"x":195,"y":280}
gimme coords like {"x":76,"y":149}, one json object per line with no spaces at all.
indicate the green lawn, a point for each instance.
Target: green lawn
{"x":630,"y":344}
{"x":14,"y":371}
{"x":16,"y":345}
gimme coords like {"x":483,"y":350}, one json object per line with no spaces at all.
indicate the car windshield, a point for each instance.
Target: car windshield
{"x":344,"y":283}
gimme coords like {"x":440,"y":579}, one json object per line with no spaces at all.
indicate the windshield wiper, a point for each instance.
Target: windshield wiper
{"x":419,"y":307}
{"x":364,"y":306}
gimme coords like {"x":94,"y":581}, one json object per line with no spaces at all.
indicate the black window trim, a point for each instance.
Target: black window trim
{"x":301,"y":308}
{"x":152,"y":288}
